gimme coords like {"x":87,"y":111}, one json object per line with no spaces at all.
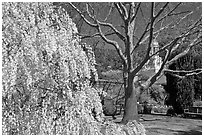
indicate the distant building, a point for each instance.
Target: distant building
{"x":151,"y":68}
{"x":157,"y":59}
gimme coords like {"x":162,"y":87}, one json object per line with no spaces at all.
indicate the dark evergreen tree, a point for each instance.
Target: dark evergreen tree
{"x":183,"y":91}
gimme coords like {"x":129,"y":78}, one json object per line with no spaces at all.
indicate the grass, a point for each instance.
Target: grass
{"x":167,"y":125}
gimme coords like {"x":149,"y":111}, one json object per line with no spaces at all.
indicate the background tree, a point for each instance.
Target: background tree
{"x":136,"y":27}
{"x":184,"y":89}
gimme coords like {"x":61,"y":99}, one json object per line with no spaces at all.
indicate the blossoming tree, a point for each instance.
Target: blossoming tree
{"x":47,"y":73}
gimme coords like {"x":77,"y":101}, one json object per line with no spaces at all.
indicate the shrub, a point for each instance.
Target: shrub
{"x":154,"y":95}
{"x":197,"y":103}
{"x":157,"y":93}
{"x":160,"y":109}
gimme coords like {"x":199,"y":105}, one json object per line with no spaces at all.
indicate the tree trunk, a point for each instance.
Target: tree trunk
{"x":130,"y":109}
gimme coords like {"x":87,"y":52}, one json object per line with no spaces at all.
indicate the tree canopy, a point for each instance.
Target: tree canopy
{"x":130,"y":26}
{"x":46,"y":72}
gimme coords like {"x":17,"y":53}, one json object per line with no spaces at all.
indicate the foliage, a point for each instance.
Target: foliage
{"x":160,"y":109}
{"x":131,"y":128}
{"x":157,"y":93}
{"x":183,"y":92}
{"x":91,"y":62}
{"x":46,"y":74}
{"x":154,"y":95}
{"x":114,"y":75}
{"x":185,"y":95}
{"x":197,"y":103}
{"x":107,"y":57}
{"x":152,"y":99}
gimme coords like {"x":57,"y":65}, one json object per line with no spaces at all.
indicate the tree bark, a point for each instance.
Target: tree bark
{"x":131,"y":112}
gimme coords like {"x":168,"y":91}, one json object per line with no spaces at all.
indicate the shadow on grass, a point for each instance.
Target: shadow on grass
{"x":190,"y":132}
{"x":195,"y":131}
{"x":157,"y":131}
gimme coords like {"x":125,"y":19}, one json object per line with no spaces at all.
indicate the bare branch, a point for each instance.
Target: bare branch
{"x":83,"y":36}
{"x":88,"y":36}
{"x":95,"y":45}
{"x":182,"y":77}
{"x":124,"y":10}
{"x":110,"y":10}
{"x":183,"y":73}
{"x":156,"y":76}
{"x":179,"y":13}
{"x":136,"y":11}
{"x":79,"y":26}
{"x":83,"y":17}
{"x":192,"y":44}
{"x":161,"y":10}
{"x":114,"y":29}
{"x":100,"y":33}
{"x":193,"y":26}
{"x":114,"y":43}
{"x":143,"y":15}
{"x":182,"y":36}
{"x":170,"y":44}
{"x":120,"y":11}
{"x":194,"y":73}
{"x":93,"y":17}
{"x":131,"y":9}
{"x":135,"y":70}
{"x":175,"y":7}
{"x":106,"y":24}
{"x":142,"y":36}
{"x":158,"y":31}
{"x":166,"y":27}
{"x":169,"y":13}
{"x":93,"y":11}
{"x":151,"y":30}
{"x":184,"y":17}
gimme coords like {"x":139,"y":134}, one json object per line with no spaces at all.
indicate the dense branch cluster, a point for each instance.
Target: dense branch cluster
{"x":155,"y":24}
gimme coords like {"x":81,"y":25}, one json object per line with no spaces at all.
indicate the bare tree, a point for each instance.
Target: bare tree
{"x":153,"y":19}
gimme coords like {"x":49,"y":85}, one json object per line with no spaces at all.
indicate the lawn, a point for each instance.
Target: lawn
{"x":167,"y":125}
